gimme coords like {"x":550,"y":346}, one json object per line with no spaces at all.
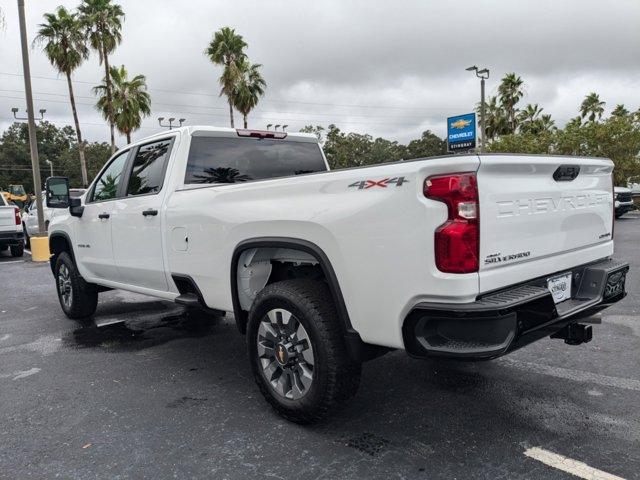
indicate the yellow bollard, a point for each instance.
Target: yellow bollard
{"x":40,"y":249}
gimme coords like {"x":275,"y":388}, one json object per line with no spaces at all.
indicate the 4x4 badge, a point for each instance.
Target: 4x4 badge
{"x":384,"y":183}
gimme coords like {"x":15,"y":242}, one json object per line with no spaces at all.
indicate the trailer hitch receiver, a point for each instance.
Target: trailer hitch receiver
{"x":575,"y":334}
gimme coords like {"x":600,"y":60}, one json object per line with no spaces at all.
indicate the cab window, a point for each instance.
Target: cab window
{"x":148,"y":169}
{"x":106,"y":187}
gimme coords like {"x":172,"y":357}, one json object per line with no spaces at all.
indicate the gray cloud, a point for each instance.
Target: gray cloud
{"x":389,"y":68}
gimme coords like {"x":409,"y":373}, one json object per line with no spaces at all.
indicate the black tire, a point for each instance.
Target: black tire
{"x":17,"y":250}
{"x":84,"y":296}
{"x":335,"y":376}
{"x":27,"y":238}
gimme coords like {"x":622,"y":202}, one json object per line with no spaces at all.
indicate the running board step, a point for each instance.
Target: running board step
{"x":188,"y":300}
{"x":191,"y":300}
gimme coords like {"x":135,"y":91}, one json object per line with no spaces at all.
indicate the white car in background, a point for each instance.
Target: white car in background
{"x":30,"y":216}
{"x":10,"y":231}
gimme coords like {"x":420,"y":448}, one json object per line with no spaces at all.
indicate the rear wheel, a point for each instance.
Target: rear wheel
{"x":78,"y":298}
{"x":298,"y":352}
{"x":17,"y":250}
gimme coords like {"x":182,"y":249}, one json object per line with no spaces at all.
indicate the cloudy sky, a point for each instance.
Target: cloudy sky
{"x":391,"y":69}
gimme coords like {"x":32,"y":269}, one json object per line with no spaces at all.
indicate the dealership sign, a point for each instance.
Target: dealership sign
{"x":461,"y":132}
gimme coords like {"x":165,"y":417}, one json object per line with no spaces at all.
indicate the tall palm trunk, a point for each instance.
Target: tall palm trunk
{"x":128,"y":137}
{"x":228,"y":66}
{"x":109,"y":99}
{"x":244,"y":116}
{"x":83,"y":163}
{"x":231,"y":113}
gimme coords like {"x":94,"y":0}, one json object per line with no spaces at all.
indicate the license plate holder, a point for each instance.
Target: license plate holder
{"x":560,"y":287}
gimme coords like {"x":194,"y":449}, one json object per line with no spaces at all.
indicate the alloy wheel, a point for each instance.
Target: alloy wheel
{"x":65,"y":289}
{"x":285,"y":354}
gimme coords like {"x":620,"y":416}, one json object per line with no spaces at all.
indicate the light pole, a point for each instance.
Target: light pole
{"x":482,"y":74}
{"x":50,"y":163}
{"x":33,"y":143}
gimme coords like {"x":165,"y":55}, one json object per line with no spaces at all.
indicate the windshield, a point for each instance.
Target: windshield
{"x":17,"y":190}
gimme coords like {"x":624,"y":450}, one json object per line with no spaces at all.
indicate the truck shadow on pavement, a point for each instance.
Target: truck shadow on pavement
{"x":141,"y":325}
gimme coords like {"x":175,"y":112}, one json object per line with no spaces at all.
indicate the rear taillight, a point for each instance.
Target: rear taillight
{"x":17,"y":214}
{"x":457,"y":241}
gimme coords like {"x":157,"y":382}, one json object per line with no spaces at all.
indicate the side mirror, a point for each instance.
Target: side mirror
{"x":75,"y":207}
{"x":57,"y":192}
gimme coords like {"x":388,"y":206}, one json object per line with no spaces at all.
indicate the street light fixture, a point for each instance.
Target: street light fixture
{"x":15,"y":111}
{"x":276,"y":127}
{"x":171,"y":120}
{"x":284,"y":127}
{"x":269,"y":125}
{"x":482,"y":74}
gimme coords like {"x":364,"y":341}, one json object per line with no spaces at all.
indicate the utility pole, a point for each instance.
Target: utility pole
{"x":482,"y":74}
{"x":33,"y":143}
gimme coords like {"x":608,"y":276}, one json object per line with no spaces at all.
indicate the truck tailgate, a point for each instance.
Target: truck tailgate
{"x":7,"y":218}
{"x":538,"y":217}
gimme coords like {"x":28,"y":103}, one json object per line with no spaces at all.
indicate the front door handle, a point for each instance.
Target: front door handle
{"x":103,"y":216}
{"x":152,"y":211}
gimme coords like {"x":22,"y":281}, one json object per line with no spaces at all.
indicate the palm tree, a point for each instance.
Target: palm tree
{"x":227,"y":49}
{"x":496,"y":121}
{"x":64,"y":46}
{"x":221,"y":175}
{"x":129,"y":102}
{"x":102,"y":21}
{"x":511,"y":92}
{"x":620,"y":111}
{"x":528,"y":117}
{"x":592,"y":107}
{"x":546,"y":124}
{"x":248,"y":89}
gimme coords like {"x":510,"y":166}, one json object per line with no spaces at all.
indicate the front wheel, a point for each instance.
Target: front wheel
{"x":297,"y":351}
{"x":78,"y":298}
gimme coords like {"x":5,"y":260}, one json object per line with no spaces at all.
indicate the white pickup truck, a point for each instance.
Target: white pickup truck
{"x":10,"y":228}
{"x":465,"y":256}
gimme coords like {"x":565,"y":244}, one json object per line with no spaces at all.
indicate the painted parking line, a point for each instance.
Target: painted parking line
{"x":11,"y":261}
{"x":20,"y":374}
{"x":28,"y":251}
{"x":574,"y":467}
{"x":575,"y":375}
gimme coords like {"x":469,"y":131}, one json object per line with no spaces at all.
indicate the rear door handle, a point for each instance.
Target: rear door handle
{"x":103,"y":216}
{"x":152,"y":211}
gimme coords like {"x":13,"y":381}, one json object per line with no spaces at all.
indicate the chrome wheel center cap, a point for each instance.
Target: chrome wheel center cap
{"x":282,"y":354}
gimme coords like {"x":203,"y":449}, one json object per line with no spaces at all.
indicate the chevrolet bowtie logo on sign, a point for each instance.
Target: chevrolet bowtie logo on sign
{"x":461,"y":132}
{"x":460,"y":123}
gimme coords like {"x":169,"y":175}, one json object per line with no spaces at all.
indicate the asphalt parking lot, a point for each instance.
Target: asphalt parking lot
{"x":148,"y":391}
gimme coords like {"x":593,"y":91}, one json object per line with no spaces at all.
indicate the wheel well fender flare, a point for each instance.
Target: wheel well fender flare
{"x":54,"y":239}
{"x":295,"y":244}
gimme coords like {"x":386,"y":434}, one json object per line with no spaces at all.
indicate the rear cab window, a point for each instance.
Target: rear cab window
{"x":215,"y":160}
